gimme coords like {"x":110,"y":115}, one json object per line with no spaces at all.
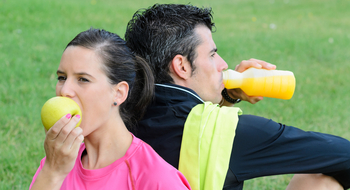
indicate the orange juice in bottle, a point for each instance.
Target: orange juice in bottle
{"x":261,"y":82}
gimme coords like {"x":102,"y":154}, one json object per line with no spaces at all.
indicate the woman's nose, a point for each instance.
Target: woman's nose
{"x":66,"y":89}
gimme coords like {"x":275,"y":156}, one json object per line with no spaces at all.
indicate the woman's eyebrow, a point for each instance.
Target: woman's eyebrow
{"x":60,"y":72}
{"x":80,"y":73}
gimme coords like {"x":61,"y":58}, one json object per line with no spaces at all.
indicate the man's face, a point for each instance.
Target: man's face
{"x":206,"y":80}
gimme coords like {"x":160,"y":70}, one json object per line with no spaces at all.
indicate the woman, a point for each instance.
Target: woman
{"x":112,"y":88}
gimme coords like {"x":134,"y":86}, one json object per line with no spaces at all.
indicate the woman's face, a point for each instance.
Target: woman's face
{"x":81,"y":78}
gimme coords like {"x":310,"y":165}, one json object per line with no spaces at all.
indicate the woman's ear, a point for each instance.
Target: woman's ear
{"x":121,"y":92}
{"x":181,"y":67}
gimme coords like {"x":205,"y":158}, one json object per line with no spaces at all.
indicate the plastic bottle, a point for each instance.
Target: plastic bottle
{"x":261,"y":82}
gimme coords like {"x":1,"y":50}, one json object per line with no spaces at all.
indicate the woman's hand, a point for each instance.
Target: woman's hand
{"x":61,"y":145}
{"x":237,"y":93}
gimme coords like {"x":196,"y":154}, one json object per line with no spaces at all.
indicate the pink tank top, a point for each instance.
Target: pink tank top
{"x":140,"y":168}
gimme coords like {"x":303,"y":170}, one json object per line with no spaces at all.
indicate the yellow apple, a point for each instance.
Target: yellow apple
{"x":55,"y":108}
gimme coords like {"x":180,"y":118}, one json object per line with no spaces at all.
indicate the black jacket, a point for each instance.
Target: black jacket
{"x":164,"y":120}
{"x":261,"y":146}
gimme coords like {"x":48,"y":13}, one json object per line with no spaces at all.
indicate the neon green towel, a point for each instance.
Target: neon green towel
{"x":207,"y":144}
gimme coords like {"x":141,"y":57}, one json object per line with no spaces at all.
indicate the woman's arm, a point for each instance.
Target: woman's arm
{"x":61,"y":145}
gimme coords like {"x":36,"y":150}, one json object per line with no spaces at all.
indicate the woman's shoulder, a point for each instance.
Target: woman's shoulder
{"x":147,"y":156}
{"x":149,"y":169}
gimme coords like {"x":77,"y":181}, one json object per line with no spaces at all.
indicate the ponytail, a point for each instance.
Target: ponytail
{"x":140,"y":95}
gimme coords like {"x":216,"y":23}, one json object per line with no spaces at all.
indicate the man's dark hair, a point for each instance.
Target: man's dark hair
{"x":163,"y":31}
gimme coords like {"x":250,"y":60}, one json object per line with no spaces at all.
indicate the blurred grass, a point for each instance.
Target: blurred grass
{"x":309,"y":37}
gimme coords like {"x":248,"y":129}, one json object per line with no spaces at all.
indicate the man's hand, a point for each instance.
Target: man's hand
{"x":237,"y":93}
{"x":259,"y":64}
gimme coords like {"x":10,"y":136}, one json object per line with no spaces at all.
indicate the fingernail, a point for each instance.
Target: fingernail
{"x":77,"y":116}
{"x":271,"y":65}
{"x":68,"y":116}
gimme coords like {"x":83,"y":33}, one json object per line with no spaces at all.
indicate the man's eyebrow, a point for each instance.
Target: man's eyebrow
{"x":214,"y":50}
{"x":60,"y":72}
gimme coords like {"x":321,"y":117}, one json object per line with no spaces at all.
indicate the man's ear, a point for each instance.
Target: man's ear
{"x":181,"y":67}
{"x":121,"y":92}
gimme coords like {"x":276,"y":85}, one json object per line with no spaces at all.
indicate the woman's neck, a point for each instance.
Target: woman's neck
{"x":106,"y":145}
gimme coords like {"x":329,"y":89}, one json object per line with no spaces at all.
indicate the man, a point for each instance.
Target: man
{"x":176,"y":41}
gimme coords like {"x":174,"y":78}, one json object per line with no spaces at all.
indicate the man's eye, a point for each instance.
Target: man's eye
{"x":83,"y":80}
{"x":61,"y":78}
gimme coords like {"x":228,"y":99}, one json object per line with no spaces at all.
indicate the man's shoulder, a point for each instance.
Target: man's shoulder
{"x":177,"y":92}
{"x":172,"y":100}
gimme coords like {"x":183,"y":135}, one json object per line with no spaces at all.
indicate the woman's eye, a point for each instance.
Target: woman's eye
{"x":83,"y":80}
{"x":61,"y":78}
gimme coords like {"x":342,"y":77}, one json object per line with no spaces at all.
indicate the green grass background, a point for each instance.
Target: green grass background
{"x":309,"y":37}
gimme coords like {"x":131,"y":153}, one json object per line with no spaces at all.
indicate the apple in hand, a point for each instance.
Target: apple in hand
{"x":55,"y":108}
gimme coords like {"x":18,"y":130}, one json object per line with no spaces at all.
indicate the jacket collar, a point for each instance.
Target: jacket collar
{"x":175,"y":90}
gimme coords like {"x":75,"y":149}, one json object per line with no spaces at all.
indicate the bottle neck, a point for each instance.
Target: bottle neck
{"x":232,"y":79}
